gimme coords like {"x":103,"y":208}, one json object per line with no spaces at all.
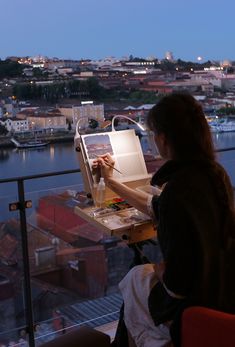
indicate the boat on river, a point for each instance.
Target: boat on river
{"x":29,"y":144}
{"x":221,"y":126}
{"x":227,"y":126}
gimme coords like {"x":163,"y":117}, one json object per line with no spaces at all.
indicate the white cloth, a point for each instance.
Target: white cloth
{"x":149,"y":205}
{"x":135,"y":288}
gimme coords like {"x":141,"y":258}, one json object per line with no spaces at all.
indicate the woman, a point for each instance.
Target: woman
{"x":195,"y":223}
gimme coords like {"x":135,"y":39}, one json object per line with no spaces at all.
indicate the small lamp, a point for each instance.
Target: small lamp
{"x":130,"y":119}
{"x":77,"y":137}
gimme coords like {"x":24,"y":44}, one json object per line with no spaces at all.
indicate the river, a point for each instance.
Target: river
{"x":62,"y":156}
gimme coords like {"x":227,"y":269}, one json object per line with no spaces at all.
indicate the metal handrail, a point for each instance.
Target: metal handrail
{"x":225,"y":149}
{"x":30,"y":177}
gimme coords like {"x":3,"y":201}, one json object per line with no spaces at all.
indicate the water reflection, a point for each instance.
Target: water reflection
{"x":4,"y":155}
{"x":23,"y":155}
{"x":52,"y":152}
{"x":224,"y":140}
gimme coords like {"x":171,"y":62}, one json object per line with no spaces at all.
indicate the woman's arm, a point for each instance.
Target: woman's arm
{"x":139,"y":200}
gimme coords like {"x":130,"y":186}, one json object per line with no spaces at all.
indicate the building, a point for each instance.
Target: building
{"x":228,"y":83}
{"x":169,"y":56}
{"x":47,"y":121}
{"x":156,"y":86}
{"x":15,"y":125}
{"x":88,"y":111}
{"x":192,"y":86}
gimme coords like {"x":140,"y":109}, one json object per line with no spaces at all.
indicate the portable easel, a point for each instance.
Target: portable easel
{"x":126,"y":150}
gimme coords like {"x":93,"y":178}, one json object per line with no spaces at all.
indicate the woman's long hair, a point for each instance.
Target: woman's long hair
{"x":180,"y":117}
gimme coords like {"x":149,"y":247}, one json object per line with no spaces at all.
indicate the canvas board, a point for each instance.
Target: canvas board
{"x":124,"y":146}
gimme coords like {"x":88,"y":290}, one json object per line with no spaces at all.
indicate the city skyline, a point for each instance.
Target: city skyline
{"x":88,"y":29}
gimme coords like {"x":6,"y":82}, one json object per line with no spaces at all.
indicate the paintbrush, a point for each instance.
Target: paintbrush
{"x":109,"y":165}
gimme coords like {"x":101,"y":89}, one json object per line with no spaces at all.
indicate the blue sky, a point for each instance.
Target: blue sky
{"x":75,"y":29}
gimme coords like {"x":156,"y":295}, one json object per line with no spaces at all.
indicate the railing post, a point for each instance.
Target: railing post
{"x":27,"y":282}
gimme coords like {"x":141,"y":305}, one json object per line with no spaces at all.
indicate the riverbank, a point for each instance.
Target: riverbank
{"x":5,"y":141}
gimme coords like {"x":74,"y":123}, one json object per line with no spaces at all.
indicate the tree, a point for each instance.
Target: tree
{"x":10,"y":68}
{"x":3,"y":129}
{"x":93,"y":123}
{"x":93,"y":87}
{"x":69,"y":126}
{"x":37,"y":72}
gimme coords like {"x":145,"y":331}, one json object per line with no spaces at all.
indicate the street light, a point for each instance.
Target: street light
{"x":130,"y":119}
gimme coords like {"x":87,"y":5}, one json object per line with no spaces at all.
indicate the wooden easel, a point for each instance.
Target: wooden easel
{"x":133,"y":177}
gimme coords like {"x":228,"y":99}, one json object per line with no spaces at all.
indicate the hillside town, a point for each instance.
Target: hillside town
{"x":48,"y":96}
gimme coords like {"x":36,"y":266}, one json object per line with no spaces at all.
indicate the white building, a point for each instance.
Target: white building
{"x":15,"y":125}
{"x":169,"y":56}
{"x":108,"y":61}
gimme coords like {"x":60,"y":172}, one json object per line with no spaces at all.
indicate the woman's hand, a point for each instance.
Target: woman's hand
{"x":105,"y":164}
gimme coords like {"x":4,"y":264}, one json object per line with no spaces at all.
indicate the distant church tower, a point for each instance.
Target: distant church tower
{"x":169,"y":56}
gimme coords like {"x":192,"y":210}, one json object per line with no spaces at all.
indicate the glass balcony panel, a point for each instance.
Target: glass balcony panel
{"x":75,"y":268}
{"x":224,"y":142}
{"x":12,"y":301}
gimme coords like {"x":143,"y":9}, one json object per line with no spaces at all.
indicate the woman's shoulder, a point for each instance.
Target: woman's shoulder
{"x":184,"y":177}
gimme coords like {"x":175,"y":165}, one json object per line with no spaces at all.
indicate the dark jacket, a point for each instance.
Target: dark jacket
{"x":195,"y":220}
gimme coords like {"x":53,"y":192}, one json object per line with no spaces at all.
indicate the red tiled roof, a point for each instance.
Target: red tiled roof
{"x":8,"y":246}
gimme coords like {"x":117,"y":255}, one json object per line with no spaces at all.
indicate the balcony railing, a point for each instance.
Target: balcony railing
{"x":57,"y":271}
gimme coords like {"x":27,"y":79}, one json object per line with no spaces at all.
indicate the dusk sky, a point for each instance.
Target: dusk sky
{"x":94,"y":29}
